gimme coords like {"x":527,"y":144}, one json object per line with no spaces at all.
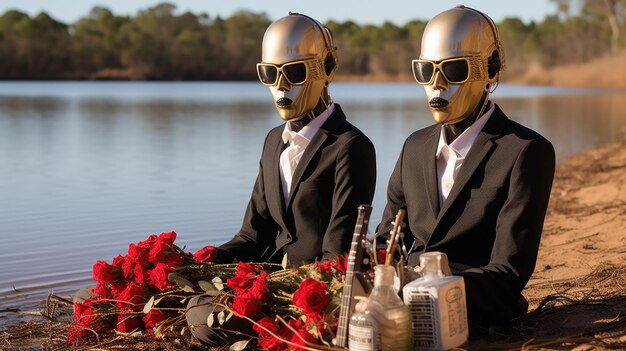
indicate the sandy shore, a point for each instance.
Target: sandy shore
{"x":577,"y":294}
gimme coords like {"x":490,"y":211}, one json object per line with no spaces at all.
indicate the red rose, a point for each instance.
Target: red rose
{"x":341,"y":264}
{"x":118,"y":288}
{"x":153,"y":318}
{"x":167,"y":237}
{"x":118,"y":261}
{"x":311,"y":296}
{"x":133,"y":297}
{"x":148,"y":242}
{"x":102,"y":291}
{"x":128,"y":266}
{"x":83,"y":312}
{"x":86,"y":318}
{"x":158,"y":252}
{"x":267,"y":323}
{"x":141,"y":274}
{"x":259,"y":288}
{"x":266,"y":340}
{"x":137,"y":254}
{"x":104,"y":273}
{"x":302,"y":338}
{"x":250,"y":301}
{"x":247,"y":305}
{"x":127,"y":323}
{"x":158,"y":277}
{"x":244,"y":278}
{"x":175,"y":260}
{"x":326,"y":267}
{"x":206,"y":254}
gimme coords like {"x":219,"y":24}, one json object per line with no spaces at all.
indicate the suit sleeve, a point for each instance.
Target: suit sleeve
{"x":258,"y":229}
{"x":355,"y":182}
{"x":494,"y":290}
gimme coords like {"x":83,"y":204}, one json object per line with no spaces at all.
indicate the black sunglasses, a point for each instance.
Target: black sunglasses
{"x":455,"y":70}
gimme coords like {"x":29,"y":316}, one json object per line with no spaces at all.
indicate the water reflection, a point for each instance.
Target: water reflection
{"x":572,"y":123}
{"x":91,"y":167}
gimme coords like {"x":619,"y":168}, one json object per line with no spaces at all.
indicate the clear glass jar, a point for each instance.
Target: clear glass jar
{"x":389,"y":311}
{"x":363,"y":332}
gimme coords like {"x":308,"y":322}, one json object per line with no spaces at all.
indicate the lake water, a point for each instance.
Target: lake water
{"x":88,"y":167}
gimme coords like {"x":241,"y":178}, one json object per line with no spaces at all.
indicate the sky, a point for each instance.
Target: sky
{"x":371,"y":12}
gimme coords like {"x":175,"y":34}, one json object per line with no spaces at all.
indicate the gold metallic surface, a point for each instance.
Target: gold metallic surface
{"x":296,"y":38}
{"x":460,"y":32}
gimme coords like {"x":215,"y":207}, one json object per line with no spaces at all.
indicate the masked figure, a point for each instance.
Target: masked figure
{"x":315,"y":169}
{"x":476,"y":184}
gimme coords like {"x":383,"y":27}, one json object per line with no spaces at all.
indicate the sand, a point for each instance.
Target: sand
{"x":577,"y":294}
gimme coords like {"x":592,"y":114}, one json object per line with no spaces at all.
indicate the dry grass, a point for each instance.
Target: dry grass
{"x":605,"y":72}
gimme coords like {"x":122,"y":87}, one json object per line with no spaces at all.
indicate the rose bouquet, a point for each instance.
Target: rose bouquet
{"x":147,"y":290}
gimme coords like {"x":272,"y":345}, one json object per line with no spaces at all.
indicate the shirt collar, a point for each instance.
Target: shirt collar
{"x":463,"y":143}
{"x":308,"y":131}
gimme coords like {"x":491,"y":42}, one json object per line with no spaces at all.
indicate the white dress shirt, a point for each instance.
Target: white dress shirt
{"x":298,"y":142}
{"x":450,"y":157}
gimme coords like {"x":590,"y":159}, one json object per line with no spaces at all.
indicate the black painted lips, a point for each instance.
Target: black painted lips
{"x":282,"y":102}
{"x":438,"y":103}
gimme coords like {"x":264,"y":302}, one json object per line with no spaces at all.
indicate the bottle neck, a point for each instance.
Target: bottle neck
{"x":383,"y":275}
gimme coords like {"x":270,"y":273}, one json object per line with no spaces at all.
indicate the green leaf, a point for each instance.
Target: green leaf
{"x":181,"y":282}
{"x":217,"y":282}
{"x":207,"y":286}
{"x":148,"y":306}
{"x":221,"y":317}
{"x":239,"y":345}
{"x":210,"y":320}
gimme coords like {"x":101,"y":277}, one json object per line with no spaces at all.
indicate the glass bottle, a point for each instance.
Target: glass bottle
{"x":389,"y":311}
{"x":363,"y":330}
{"x":437,"y":304}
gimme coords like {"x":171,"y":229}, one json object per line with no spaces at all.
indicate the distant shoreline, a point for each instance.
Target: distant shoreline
{"x":605,"y":72}
{"x":586,"y":75}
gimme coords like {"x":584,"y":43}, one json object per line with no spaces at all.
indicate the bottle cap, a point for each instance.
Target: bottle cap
{"x":434,"y":265}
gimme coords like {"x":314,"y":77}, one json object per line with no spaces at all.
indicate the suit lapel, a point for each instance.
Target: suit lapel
{"x":481,"y":147}
{"x":318,"y":140}
{"x":430,"y":171}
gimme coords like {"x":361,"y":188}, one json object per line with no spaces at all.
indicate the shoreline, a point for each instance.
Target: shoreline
{"x":584,"y":75}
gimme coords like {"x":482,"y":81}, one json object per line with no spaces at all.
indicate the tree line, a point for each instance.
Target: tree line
{"x":158,"y":44}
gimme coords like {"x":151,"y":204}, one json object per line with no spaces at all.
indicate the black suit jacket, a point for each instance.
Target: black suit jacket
{"x":491,"y":222}
{"x":336,"y":174}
